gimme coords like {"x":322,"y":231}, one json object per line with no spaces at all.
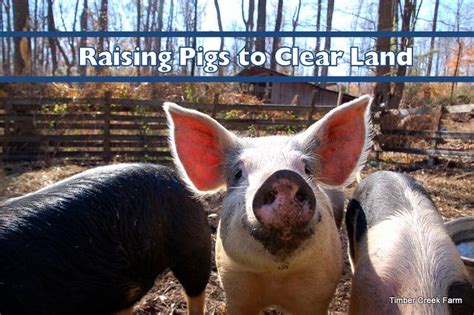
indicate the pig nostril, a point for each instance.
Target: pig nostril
{"x":269,"y":197}
{"x":301,"y":195}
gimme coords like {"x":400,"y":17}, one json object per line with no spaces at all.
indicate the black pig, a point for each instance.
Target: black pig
{"x":95,"y":242}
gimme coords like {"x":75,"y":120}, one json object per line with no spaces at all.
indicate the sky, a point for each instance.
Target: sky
{"x":343,"y":20}
{"x":123,"y":17}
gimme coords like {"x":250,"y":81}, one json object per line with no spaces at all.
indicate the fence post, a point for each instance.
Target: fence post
{"x":434,"y":141}
{"x":6,"y":127}
{"x":313,"y":104}
{"x":339,"y":97}
{"x":107,"y":116}
{"x":215,"y":102}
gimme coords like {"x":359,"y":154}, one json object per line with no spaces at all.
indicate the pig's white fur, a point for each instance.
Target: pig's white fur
{"x":304,"y":284}
{"x":408,"y":254}
{"x":252,"y":277}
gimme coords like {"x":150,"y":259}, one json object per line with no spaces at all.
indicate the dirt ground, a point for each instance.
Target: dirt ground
{"x":449,"y":182}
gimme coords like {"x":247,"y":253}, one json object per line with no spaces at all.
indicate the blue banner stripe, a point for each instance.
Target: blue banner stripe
{"x":241,"y":79}
{"x":239,"y":34}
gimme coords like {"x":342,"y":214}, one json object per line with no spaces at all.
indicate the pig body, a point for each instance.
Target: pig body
{"x":95,"y":243}
{"x":278,"y":241}
{"x":399,"y":249}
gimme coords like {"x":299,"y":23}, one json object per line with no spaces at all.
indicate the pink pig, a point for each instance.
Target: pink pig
{"x":277,"y":242}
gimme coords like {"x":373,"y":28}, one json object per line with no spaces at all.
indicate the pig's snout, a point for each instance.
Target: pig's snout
{"x":284,"y":201}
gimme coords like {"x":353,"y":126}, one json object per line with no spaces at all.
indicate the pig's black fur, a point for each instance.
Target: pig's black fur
{"x":465,"y":291}
{"x":356,"y":224}
{"x":95,"y":242}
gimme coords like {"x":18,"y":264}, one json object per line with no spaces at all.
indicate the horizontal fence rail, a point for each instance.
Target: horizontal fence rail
{"x":106,"y":128}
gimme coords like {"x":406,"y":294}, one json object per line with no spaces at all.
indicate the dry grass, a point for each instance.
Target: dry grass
{"x":449,"y":183}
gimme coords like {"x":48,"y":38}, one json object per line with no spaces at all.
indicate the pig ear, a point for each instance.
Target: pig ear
{"x":340,"y":142}
{"x":198,"y":145}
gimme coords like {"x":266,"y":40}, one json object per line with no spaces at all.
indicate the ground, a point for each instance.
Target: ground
{"x":450,"y":184}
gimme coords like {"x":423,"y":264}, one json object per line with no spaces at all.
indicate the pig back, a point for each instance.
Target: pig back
{"x":95,"y":241}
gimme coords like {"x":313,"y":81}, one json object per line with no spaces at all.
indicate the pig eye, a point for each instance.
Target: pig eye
{"x":238,"y":174}
{"x":307,"y":170}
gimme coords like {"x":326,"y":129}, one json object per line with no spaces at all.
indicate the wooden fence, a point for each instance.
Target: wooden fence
{"x":104,"y":128}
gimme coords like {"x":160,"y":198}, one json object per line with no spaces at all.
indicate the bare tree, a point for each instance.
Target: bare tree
{"x":5,"y":64}
{"x":139,"y":19}
{"x":193,"y":61}
{"x":318,"y":39}
{"x":276,"y":39}
{"x":103,"y":26}
{"x":161,"y":6}
{"x":58,"y":44}
{"x":22,"y":58}
{"x":157,"y":25}
{"x":294,"y":23}
{"x":9,"y":28}
{"x":170,"y":25}
{"x":385,"y":23}
{"x":261,"y":23}
{"x":432,"y":42}
{"x":459,"y":50}
{"x":72,"y":39}
{"x":34,"y":27}
{"x":219,"y":23}
{"x":52,"y":46}
{"x":83,"y":41}
{"x":249,"y":23}
{"x":327,"y":40}
{"x":151,"y":11}
{"x":409,"y":18}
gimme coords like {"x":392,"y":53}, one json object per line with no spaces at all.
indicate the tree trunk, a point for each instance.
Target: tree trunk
{"x":276,"y":39}
{"x":139,"y":16}
{"x":8,"y":39}
{"x":261,"y":23}
{"x":159,"y":28}
{"x":161,"y":6}
{"x":385,"y":23}
{"x":139,"y":21}
{"x":72,"y":40}
{"x":432,"y":42}
{"x":318,"y":39}
{"x":35,"y":40}
{"x":22,"y":60}
{"x":103,"y":26}
{"x":456,"y":68}
{"x":170,"y":25}
{"x":327,"y":41}
{"x":83,"y":40}
{"x":219,"y":23}
{"x":58,"y":44}
{"x":52,"y":46}
{"x":147,"y":28}
{"x":294,"y":23}
{"x":408,"y":24}
{"x":249,"y":23}
{"x":193,"y":61}
{"x":4,"y":50}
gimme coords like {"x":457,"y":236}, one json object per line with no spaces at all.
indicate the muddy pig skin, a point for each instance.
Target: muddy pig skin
{"x":277,"y":242}
{"x":94,"y":243}
{"x":402,"y":258}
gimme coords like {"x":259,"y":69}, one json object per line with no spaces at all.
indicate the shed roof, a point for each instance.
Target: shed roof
{"x":262,"y":71}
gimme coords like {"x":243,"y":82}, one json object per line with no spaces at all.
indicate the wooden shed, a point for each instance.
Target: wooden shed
{"x":298,"y":93}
